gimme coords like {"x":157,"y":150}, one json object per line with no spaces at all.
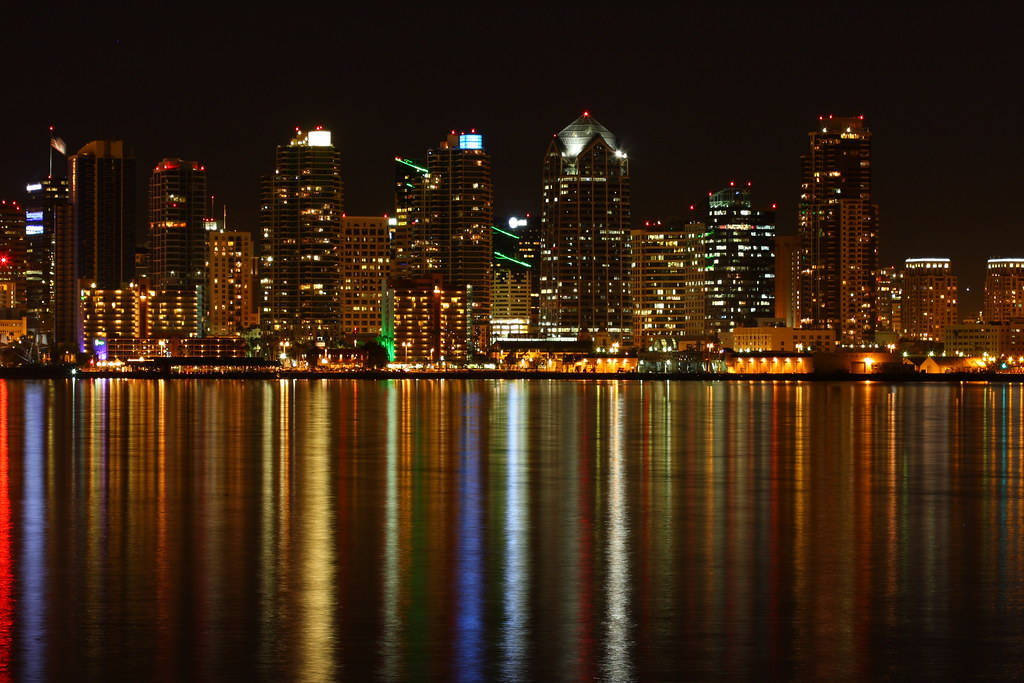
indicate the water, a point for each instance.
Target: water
{"x":487,"y":530}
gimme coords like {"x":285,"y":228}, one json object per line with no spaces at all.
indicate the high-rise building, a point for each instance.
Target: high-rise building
{"x":1004,"y":290}
{"x":929,"y":300}
{"x":168,"y":313}
{"x":364,"y":274}
{"x":444,"y":215}
{"x":12,"y":257}
{"x":47,"y":222}
{"x":178,"y":209}
{"x":838,"y":227}
{"x":787,"y":278}
{"x":230,"y":283}
{"x":300,"y":216}
{"x":109,"y":314}
{"x":102,"y":178}
{"x":585,"y":227}
{"x":429,"y":322}
{"x":661,"y":273}
{"x":510,"y":300}
{"x":889,"y":296}
{"x":738,"y":271}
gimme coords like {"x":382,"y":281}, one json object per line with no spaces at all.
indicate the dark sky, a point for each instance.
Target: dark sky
{"x":697,"y":98}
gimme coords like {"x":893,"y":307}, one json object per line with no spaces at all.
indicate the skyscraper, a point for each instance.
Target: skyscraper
{"x":12,"y":258}
{"x":103,"y":194}
{"x":661,"y":273}
{"x":231,"y":283}
{"x":47,"y":226}
{"x":300,"y":217}
{"x":838,"y":227}
{"x":738,"y":271}
{"x":585,"y":227}
{"x":787,"y":270}
{"x":1004,"y":290}
{"x":178,"y":207}
{"x":364,"y":273}
{"x":444,"y":215}
{"x":929,"y":298}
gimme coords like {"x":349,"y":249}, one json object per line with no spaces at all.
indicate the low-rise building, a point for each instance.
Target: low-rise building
{"x":789,"y":339}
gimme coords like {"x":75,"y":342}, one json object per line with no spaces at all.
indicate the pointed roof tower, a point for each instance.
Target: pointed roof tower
{"x":578,"y":134}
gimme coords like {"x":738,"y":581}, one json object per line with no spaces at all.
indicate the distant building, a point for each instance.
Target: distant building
{"x":585,"y":227}
{"x":889,"y":297}
{"x":789,"y":339}
{"x":430,"y":322}
{"x":109,"y":314}
{"x":444,"y":216}
{"x":364,"y":273}
{"x":102,"y":176}
{"x":168,"y":313}
{"x":661,"y":272}
{"x":838,"y":227}
{"x":12,"y":256}
{"x":178,"y":207}
{"x":1004,"y":290}
{"x":54,"y":295}
{"x":929,"y":299}
{"x":230,"y":283}
{"x":510,"y":301}
{"x":787,"y":278}
{"x":300,"y":216}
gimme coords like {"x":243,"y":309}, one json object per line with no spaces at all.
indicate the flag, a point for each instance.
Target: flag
{"x":58,"y":144}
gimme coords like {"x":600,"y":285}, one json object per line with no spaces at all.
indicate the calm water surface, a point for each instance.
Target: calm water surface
{"x":487,"y":530}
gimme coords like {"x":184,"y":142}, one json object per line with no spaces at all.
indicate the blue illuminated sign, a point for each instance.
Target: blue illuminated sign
{"x":99,"y":346}
{"x":33,"y":215}
{"x":34,"y":229}
{"x":471,"y":141}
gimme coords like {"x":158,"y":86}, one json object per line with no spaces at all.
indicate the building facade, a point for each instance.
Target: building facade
{"x":230,"y":283}
{"x":102,"y":176}
{"x":1004,"y":290}
{"x":929,"y":299}
{"x":364,"y":273}
{"x":838,"y":228}
{"x":787,"y":278}
{"x":429,"y":322}
{"x":585,"y":231}
{"x":300,"y":216}
{"x":178,"y":209}
{"x":12,"y":256}
{"x":510,"y":301}
{"x":660,"y":276}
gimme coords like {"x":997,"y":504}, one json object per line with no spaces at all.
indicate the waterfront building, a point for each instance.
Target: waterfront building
{"x":929,"y":298}
{"x":790,"y":339}
{"x":661,"y":274}
{"x":585,"y":228}
{"x":102,"y":175}
{"x":170,"y":312}
{"x":300,"y":218}
{"x":889,"y":297}
{"x":108,"y":314}
{"x":738,"y":271}
{"x":510,"y":301}
{"x":230,"y":283}
{"x":46,"y":209}
{"x":364,"y":273}
{"x":838,"y":227}
{"x":178,"y":209}
{"x":1004,"y":290}
{"x":444,"y":215}
{"x":429,"y":322}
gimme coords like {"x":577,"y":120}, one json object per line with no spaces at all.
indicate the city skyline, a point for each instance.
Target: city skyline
{"x":935,"y":151}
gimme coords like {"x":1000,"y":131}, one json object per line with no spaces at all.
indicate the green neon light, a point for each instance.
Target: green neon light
{"x":504,"y":232}
{"x":412,"y":165}
{"x":498,"y":254}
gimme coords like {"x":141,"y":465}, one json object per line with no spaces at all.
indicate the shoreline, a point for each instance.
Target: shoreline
{"x":59,"y":372}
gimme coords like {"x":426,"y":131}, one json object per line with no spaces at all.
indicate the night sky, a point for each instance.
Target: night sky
{"x":697,"y":98}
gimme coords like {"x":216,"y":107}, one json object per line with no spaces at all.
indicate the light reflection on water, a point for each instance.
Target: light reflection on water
{"x":511,"y":530}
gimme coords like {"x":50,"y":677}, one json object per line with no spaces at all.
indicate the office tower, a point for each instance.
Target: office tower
{"x":429,"y":322}
{"x":787,"y":277}
{"x":929,"y":301}
{"x":585,"y":224}
{"x":510,"y":300}
{"x":178,"y":208}
{"x":230,"y":283}
{"x":364,"y":274}
{"x":838,"y":227}
{"x":661,"y":272}
{"x":444,"y":214}
{"x":102,"y":178}
{"x":12,"y":257}
{"x":1004,"y":290}
{"x":738,"y":261}
{"x":52,"y":197}
{"x":889,"y":288}
{"x":300,"y":217}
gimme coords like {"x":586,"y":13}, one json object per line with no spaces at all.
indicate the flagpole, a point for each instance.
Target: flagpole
{"x":50,"y":146}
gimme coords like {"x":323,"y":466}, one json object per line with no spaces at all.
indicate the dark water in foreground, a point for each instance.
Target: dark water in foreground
{"x":472,"y":530}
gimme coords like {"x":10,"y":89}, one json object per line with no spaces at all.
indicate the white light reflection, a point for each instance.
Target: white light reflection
{"x":617,"y":665}
{"x":516,"y":588}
